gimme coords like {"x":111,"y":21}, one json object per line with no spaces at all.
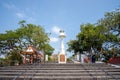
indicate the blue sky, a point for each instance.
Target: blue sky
{"x":54,"y":15}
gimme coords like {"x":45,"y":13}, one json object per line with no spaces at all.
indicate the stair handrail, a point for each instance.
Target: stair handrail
{"x":21,"y":73}
{"x":31,"y":75}
{"x":87,"y":69}
{"x":107,"y":73}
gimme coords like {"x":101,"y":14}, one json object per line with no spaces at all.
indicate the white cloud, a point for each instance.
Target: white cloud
{"x":56,"y":51}
{"x":53,"y":39}
{"x":55,"y":29}
{"x":20,"y":15}
{"x":30,"y":19}
{"x":9,"y":6}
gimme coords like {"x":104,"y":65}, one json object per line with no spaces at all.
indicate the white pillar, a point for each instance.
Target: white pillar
{"x":62,"y":56}
{"x":62,"y":46}
{"x":46,"y":57}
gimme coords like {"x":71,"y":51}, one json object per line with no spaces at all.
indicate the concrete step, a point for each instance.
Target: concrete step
{"x":60,"y":78}
{"x":57,"y":78}
{"x":60,"y":72}
{"x":49,"y":71}
{"x":56,"y":74}
{"x":39,"y":68}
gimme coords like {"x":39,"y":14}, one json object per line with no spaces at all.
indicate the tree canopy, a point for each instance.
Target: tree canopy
{"x":111,"y":22}
{"x":90,"y":37}
{"x":15,"y":41}
{"x":105,"y":35}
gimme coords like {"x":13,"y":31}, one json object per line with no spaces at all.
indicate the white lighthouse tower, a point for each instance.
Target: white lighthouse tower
{"x":62,"y":56}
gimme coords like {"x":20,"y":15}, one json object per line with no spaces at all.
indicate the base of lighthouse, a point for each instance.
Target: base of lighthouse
{"x":61,"y":58}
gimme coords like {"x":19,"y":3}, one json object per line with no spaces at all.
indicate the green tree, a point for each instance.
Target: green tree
{"x":48,"y":49}
{"x":105,"y":34}
{"x":34,"y":35}
{"x":8,"y":41}
{"x":18,"y":40}
{"x":111,"y":22}
{"x":91,"y":37}
{"x":14,"y":57}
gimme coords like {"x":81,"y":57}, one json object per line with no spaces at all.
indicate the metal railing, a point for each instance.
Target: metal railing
{"x":27,"y":77}
{"x":108,"y":74}
{"x":88,"y":70}
{"x":95,"y":69}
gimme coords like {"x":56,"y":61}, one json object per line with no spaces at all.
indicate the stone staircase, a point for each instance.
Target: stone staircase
{"x":54,"y":71}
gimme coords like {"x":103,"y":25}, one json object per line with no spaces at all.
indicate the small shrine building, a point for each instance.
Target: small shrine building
{"x":31,"y":55}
